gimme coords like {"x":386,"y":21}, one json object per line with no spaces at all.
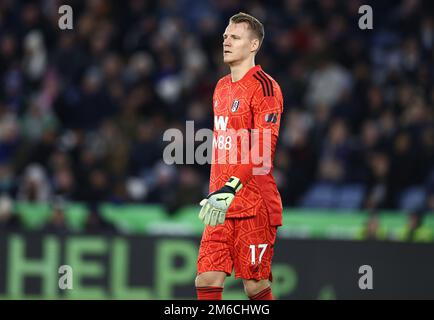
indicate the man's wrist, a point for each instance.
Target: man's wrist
{"x":234,"y":183}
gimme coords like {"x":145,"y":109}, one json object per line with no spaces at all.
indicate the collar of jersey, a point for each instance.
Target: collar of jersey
{"x":248,"y":75}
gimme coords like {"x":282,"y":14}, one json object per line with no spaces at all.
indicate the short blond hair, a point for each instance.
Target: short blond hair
{"x":254,"y":25}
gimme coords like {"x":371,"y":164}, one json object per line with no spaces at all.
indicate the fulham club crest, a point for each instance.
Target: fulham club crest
{"x":235,"y":105}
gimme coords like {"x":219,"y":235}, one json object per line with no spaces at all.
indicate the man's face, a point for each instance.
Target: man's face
{"x":238,"y":43}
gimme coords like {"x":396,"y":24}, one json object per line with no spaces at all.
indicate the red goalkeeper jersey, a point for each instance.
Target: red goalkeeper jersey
{"x":247,"y":117}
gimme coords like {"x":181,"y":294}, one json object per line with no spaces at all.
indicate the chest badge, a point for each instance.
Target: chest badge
{"x":235,"y":105}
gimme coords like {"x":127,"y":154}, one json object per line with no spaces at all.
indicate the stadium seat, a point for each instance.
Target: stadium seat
{"x":350,"y":196}
{"x":320,"y":195}
{"x":412,"y":198}
{"x":325,"y":195}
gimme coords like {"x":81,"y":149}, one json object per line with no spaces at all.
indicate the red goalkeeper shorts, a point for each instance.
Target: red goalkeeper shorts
{"x":243,"y":244}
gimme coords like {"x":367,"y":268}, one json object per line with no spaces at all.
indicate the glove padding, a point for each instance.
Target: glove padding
{"x":215,"y":206}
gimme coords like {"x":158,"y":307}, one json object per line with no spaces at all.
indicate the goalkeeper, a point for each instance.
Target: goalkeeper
{"x":244,"y":209}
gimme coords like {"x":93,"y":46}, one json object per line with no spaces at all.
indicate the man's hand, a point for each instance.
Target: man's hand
{"x":215,"y":206}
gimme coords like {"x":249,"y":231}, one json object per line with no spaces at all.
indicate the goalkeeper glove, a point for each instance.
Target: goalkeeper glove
{"x":215,"y":206}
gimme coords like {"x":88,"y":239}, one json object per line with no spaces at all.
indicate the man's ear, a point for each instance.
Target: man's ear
{"x":254,"y":45}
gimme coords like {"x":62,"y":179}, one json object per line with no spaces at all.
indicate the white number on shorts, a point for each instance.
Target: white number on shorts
{"x":252,"y":247}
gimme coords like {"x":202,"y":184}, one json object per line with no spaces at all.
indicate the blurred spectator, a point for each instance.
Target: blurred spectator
{"x":34,"y":185}
{"x":35,"y":122}
{"x":35,"y":56}
{"x":371,"y":231}
{"x":95,"y":223}
{"x":336,"y":152}
{"x":9,"y":134}
{"x":297,"y":160}
{"x":378,"y":195}
{"x":430,"y":192}
{"x":64,"y":184}
{"x":327,"y":84}
{"x":188,"y":192}
{"x":163,"y":181}
{"x":415,"y":221}
{"x":403,"y":157}
{"x":7,"y":180}
{"x":57,"y":224}
{"x":146,"y":149}
{"x":8,"y":219}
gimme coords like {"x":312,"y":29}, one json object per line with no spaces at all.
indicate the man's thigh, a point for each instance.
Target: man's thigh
{"x":216,"y":248}
{"x":254,"y":247}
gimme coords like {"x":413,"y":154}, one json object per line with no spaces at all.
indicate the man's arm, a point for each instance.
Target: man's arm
{"x":266,"y":110}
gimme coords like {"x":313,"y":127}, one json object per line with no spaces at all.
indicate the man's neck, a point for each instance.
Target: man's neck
{"x":238,"y":71}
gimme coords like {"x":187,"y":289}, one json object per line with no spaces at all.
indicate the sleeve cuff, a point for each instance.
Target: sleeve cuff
{"x":234,"y":183}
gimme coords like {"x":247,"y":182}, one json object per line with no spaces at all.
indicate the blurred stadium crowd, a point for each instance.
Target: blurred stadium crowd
{"x":83,"y":111}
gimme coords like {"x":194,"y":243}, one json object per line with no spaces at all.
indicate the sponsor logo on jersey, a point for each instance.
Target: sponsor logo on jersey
{"x":271,"y":117}
{"x":221,"y":122}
